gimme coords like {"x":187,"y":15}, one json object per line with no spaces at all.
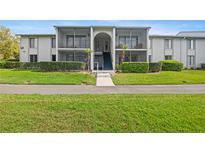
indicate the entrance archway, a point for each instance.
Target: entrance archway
{"x":102,"y":54}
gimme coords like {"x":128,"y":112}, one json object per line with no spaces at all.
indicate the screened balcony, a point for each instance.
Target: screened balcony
{"x":134,"y":38}
{"x":74,"y":38}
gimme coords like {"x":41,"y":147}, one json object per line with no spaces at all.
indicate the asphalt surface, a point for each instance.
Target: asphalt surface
{"x":91,"y":89}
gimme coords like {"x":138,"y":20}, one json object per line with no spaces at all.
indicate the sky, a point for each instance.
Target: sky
{"x":160,"y":27}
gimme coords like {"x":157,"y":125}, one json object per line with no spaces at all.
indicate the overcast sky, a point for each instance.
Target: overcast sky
{"x":157,"y":26}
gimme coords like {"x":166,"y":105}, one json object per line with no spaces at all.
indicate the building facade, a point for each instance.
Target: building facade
{"x":69,"y":44}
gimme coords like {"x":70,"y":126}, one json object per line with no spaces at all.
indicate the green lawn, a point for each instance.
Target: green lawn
{"x":32,"y":77}
{"x":102,"y":113}
{"x":165,"y":77}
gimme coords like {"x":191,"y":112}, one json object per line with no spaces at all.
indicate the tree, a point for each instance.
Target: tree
{"x":122,"y":56}
{"x":9,"y":44}
{"x":88,"y":51}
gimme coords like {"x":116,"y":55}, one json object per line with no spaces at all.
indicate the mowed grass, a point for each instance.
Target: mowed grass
{"x":102,"y":113}
{"x":165,"y":77}
{"x":34,"y":77}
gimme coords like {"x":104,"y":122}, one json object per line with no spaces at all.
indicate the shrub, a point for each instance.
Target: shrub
{"x":2,"y":63}
{"x":12,"y":64}
{"x":61,"y":66}
{"x":155,"y":67}
{"x":171,"y":65}
{"x":44,"y":66}
{"x":30,"y":65}
{"x":118,"y":67}
{"x":135,"y":67}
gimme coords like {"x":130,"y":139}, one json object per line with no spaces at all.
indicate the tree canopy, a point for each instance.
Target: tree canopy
{"x":9,"y":44}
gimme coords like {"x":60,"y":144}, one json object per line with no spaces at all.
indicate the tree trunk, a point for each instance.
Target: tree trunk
{"x":88,"y":62}
{"x":122,"y":57}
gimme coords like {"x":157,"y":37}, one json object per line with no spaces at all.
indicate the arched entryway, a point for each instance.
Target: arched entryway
{"x":102,"y":54}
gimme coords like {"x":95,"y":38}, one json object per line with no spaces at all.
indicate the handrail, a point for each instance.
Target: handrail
{"x":97,"y":65}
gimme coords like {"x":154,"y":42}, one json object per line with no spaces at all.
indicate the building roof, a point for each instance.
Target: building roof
{"x":176,"y":36}
{"x":102,"y":27}
{"x":35,"y":34}
{"x":192,"y":33}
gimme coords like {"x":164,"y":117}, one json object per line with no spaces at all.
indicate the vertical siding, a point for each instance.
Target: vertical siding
{"x":200,"y":52}
{"x":44,"y":49}
{"x":184,"y":52}
{"x":157,"y":49}
{"x":176,"y":49}
{"x":24,"y":49}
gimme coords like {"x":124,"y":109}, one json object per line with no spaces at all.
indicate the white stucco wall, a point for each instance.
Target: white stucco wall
{"x":42,"y":48}
{"x":200,"y":52}
{"x":179,"y":50}
{"x":157,"y":50}
{"x":24,"y":52}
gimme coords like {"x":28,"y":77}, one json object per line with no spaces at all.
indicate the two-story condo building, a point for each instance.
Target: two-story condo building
{"x":70,"y":42}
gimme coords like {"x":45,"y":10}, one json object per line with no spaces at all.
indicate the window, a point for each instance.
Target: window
{"x":124,"y":40}
{"x":131,"y":42}
{"x":80,"y":41}
{"x":134,"y":42}
{"x":69,"y":41}
{"x":33,"y":58}
{"x":150,"y":58}
{"x":191,"y":44}
{"x":191,"y":61}
{"x":53,"y":43}
{"x":168,"y":44}
{"x":53,"y":57}
{"x":168,"y":57}
{"x":32,"y":42}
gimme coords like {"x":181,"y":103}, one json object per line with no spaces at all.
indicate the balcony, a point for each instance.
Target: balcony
{"x":73,"y":38}
{"x":134,"y":38}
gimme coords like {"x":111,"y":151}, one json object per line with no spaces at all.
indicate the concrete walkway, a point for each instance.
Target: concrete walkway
{"x":104,"y":80}
{"x":90,"y":89}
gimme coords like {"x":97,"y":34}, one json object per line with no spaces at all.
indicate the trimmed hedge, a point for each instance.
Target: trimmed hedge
{"x":135,"y":67}
{"x":12,"y":64}
{"x":155,"y":67}
{"x":171,"y":65}
{"x":30,"y":65}
{"x":61,"y":66}
{"x":44,"y":66}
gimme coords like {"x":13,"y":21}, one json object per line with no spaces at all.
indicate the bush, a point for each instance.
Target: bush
{"x":155,"y":67}
{"x":135,"y":67}
{"x":171,"y":65}
{"x":44,"y":66}
{"x":30,"y":65}
{"x":2,"y":63}
{"x":118,"y":67}
{"x":61,"y":66}
{"x":12,"y":64}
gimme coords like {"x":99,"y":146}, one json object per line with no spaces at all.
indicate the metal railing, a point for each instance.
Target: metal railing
{"x":97,"y":65}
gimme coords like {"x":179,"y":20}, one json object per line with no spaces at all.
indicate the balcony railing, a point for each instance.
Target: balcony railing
{"x":76,"y":44}
{"x":138,"y":46}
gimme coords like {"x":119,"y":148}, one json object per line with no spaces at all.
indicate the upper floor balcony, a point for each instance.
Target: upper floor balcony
{"x":73,"y":38}
{"x":134,"y":38}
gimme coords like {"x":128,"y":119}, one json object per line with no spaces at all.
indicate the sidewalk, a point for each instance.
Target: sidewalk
{"x":90,"y":89}
{"x":104,"y":80}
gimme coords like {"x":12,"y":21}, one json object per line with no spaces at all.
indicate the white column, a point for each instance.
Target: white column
{"x":56,"y":44}
{"x":92,"y":48}
{"x":113,"y":48}
{"x":147,"y":48}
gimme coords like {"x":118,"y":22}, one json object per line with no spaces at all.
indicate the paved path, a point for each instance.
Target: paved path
{"x":89,"y":89}
{"x":104,"y":80}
